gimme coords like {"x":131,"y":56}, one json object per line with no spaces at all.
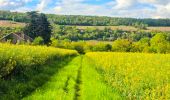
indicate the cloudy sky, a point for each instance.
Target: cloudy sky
{"x":115,"y":8}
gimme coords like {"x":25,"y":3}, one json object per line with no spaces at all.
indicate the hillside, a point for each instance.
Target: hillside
{"x":86,"y":20}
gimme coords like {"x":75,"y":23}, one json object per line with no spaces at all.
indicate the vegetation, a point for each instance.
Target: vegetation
{"x":102,"y":71}
{"x":15,"y":59}
{"x":38,"y":26}
{"x":136,"y":76}
{"x":74,"y":33}
{"x":23,"y":68}
{"x":158,"y":43}
{"x":62,"y":84}
{"x":7,"y":30}
{"x":85,"y":20}
{"x":74,"y":81}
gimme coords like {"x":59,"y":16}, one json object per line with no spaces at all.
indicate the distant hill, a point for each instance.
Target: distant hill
{"x":86,"y":20}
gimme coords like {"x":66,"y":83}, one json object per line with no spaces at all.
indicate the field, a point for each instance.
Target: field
{"x":135,"y":76}
{"x":109,"y":76}
{"x":127,"y":28}
{"x":4,"y":23}
{"x":44,"y":73}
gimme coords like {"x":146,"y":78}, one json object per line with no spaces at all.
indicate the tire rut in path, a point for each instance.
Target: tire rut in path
{"x":78,"y":81}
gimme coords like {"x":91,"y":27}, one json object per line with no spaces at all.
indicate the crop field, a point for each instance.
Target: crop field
{"x":166,"y":29}
{"x":4,"y":23}
{"x":127,"y":28}
{"x":42,"y":73}
{"x":135,"y":76}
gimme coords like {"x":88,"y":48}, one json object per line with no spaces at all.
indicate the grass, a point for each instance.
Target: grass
{"x":93,"y":85}
{"x":76,"y":81}
{"x":23,"y":68}
{"x":25,"y":83}
{"x":61,"y":86}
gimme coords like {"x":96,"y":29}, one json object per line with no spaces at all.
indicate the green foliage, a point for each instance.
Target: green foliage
{"x":75,"y":34}
{"x":159,"y":44}
{"x":24,"y":83}
{"x":54,"y":42}
{"x":62,"y":85}
{"x":38,"y":26}
{"x":7,"y":30}
{"x":85,"y":20}
{"x":121,"y":45}
{"x":79,"y":47}
{"x":140,"y":25}
{"x":38,"y":41}
{"x":142,"y":45}
{"x":17,"y":58}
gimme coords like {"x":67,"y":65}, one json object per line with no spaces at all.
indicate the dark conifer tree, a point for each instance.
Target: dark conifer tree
{"x":38,"y":26}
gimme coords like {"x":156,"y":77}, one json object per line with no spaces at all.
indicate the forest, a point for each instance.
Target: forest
{"x":86,"y":20}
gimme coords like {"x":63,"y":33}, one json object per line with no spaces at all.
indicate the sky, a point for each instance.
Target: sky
{"x":113,"y":8}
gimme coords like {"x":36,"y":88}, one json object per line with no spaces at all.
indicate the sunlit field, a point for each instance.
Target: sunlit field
{"x":135,"y":75}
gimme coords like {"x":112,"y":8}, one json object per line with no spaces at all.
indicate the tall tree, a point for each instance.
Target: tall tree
{"x":38,"y":26}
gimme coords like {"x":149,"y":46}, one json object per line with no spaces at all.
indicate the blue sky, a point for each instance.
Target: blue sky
{"x":115,"y":8}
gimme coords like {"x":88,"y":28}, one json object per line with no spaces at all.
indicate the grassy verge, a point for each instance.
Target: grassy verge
{"x":93,"y":86}
{"x":61,"y":86}
{"x":26,"y":82}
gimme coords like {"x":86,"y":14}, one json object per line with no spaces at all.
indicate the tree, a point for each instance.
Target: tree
{"x":159,"y":44}
{"x":121,"y":45}
{"x":38,"y":26}
{"x":141,"y":46}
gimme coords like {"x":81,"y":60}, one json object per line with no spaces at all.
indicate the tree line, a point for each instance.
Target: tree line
{"x":70,"y":37}
{"x":86,"y":20}
{"x":159,"y":43}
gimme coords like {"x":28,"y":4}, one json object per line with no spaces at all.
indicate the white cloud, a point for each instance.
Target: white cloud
{"x":124,"y":4}
{"x":12,"y":4}
{"x":42,"y":5}
{"x":78,"y":7}
{"x":118,"y":8}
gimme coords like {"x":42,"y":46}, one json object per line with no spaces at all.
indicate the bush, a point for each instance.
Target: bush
{"x":121,"y":45}
{"x":38,"y":41}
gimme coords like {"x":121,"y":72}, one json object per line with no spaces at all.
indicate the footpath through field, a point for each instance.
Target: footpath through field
{"x":77,"y":81}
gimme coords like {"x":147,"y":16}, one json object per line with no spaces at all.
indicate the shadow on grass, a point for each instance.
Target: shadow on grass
{"x":20,"y":85}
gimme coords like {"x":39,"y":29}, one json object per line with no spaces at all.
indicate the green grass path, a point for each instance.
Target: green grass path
{"x":77,"y":81}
